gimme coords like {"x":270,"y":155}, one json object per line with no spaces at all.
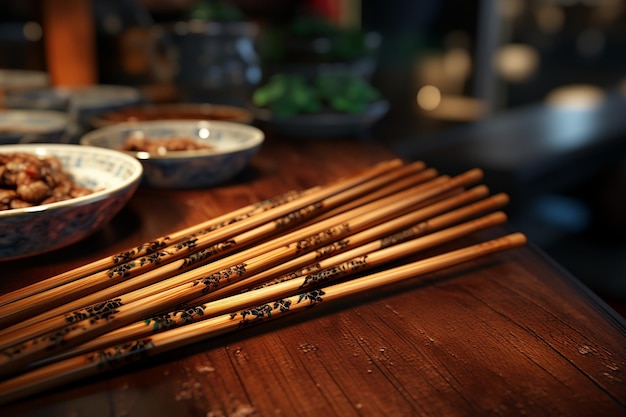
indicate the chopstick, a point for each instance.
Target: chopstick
{"x":290,"y":198}
{"x":357,"y":260}
{"x":165,"y":271}
{"x":427,"y":223}
{"x":40,"y":324}
{"x":97,"y":362}
{"x":219,"y":241}
{"x":192,"y":284}
{"x":152,"y":246}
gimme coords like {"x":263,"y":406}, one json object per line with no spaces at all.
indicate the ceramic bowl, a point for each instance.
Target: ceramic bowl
{"x":86,"y":103}
{"x":51,"y":98}
{"x":21,"y":80}
{"x":172,"y":111}
{"x":43,"y":228}
{"x":232,"y":145}
{"x":32,"y":126}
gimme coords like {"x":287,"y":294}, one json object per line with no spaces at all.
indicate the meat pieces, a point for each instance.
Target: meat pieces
{"x":139,"y":143}
{"x":27,"y":180}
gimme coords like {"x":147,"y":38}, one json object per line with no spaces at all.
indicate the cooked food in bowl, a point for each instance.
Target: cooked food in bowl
{"x":227,"y":149}
{"x":28,"y":179}
{"x":110,"y":176}
{"x":139,"y":143}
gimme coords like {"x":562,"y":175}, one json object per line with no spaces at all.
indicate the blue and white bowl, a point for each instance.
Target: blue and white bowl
{"x":32,"y":126}
{"x":232,"y":147}
{"x":113,"y":175}
{"x":51,"y":98}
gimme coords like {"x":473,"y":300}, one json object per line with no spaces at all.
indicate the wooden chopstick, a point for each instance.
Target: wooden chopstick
{"x":152,"y":246}
{"x":43,"y":323}
{"x":195,"y":283}
{"x":340,"y":266}
{"x":97,"y":362}
{"x":27,"y":319}
{"x":357,"y":260}
{"x":218,"y":241}
{"x":40,"y":324}
{"x":430,"y":218}
{"x":255,"y":259}
{"x":291,"y":199}
{"x":391,"y":188}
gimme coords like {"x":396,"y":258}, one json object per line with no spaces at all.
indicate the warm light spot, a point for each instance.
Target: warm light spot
{"x":203,"y":133}
{"x":550,"y":18}
{"x":457,"y":64}
{"x":516,"y":62}
{"x":578,"y":96}
{"x":32,"y":31}
{"x":428,"y":97}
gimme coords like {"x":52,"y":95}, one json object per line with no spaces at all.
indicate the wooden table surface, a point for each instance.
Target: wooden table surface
{"x":510,"y":334}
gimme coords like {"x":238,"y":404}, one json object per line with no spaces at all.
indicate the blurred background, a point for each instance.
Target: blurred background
{"x":532,"y":91}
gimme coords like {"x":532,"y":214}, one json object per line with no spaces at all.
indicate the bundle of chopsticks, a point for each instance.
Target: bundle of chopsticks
{"x":249,"y":266}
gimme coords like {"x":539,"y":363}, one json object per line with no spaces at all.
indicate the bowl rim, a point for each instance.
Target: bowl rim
{"x":257,"y":137}
{"x":21,"y":124}
{"x":48,"y":149}
{"x":243,"y":115}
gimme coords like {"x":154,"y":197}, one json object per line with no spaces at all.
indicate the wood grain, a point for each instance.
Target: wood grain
{"x":508,"y":335}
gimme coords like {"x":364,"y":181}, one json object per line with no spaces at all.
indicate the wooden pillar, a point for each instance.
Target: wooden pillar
{"x":70,"y":42}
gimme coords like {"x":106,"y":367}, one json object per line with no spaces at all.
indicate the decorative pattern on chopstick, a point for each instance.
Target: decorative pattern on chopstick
{"x":289,"y":214}
{"x":195,"y":283}
{"x":199,"y":229}
{"x":388,"y":249}
{"x":422,"y":220}
{"x":321,"y":231}
{"x":42,"y":323}
{"x":99,"y":361}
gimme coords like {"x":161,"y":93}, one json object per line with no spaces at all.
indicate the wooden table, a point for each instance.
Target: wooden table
{"x":509,"y":334}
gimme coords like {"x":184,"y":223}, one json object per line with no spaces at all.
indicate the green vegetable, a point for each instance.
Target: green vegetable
{"x":288,"y":94}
